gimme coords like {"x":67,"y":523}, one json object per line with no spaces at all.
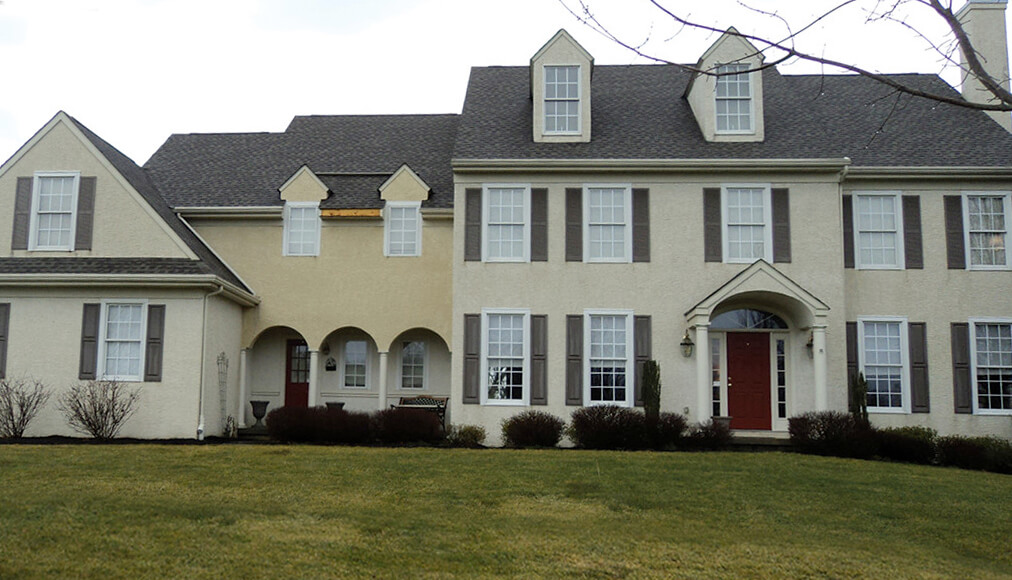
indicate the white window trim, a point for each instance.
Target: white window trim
{"x":103,"y":346}
{"x":526,"y":257}
{"x":418,"y":227}
{"x":33,"y":224}
{"x":966,"y":228}
{"x":780,"y":424}
{"x":751,"y":103}
{"x":287,"y":216}
{"x":545,"y":100}
{"x":973,"y":364}
{"x":526,"y":399}
{"x":627,"y":204}
{"x":904,"y":354}
{"x":425,"y":368}
{"x":900,"y":249}
{"x":341,"y":360}
{"x":767,"y":222}
{"x":630,"y":365}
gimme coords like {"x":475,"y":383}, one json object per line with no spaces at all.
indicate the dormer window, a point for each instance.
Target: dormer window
{"x":734,"y":99}
{"x":302,"y":229}
{"x":562,"y":99}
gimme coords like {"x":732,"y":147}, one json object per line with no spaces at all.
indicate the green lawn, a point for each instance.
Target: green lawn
{"x":245,"y":511}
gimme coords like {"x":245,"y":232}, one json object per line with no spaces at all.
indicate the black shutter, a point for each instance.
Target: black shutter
{"x":472,"y":359}
{"x":88,"y":369}
{"x":851,"y":351}
{"x":919,"y":392}
{"x":913,"y":246}
{"x":574,"y":224}
{"x":962,"y":386}
{"x":642,"y":336}
{"x":954,"y":243}
{"x":22,"y":214}
{"x":155,"y":340}
{"x":539,"y":359}
{"x":641,"y":225}
{"x":85,"y":214}
{"x":472,"y":225}
{"x":848,"y":231}
{"x":539,"y":224}
{"x":781,"y":225}
{"x":5,"y":319}
{"x":712,"y":228}
{"x":574,"y":359}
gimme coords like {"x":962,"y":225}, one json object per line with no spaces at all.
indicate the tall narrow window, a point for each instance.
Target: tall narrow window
{"x":747,"y":224}
{"x":506,"y":356}
{"x":302,"y":229}
{"x":608,"y":233}
{"x":562,"y":99}
{"x":781,"y":345}
{"x":884,"y":363}
{"x":507,"y":223}
{"x":403,"y":229}
{"x":734,"y":99}
{"x":355,"y":357}
{"x":123,"y":341}
{"x":987,"y":229}
{"x":993,"y":365}
{"x":879,"y":242}
{"x":608,"y":342}
{"x":53,"y":210}
{"x":715,"y":375}
{"x":413,"y":365}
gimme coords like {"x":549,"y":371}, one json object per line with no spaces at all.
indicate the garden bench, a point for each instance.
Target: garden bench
{"x":435,"y":405}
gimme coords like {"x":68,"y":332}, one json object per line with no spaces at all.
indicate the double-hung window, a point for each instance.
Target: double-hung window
{"x":986,"y":226}
{"x":748,"y":227}
{"x":123,"y":329}
{"x":607,"y":227}
{"x":608,"y":371}
{"x":885,"y":364}
{"x":878,"y":231}
{"x":413,"y":365}
{"x":506,"y":357}
{"x":54,"y":209}
{"x":562,"y":99}
{"x":356,"y":356}
{"x":734,"y":99}
{"x":507,"y":218}
{"x":403,"y":229}
{"x":992,"y":365}
{"x":302,"y":229}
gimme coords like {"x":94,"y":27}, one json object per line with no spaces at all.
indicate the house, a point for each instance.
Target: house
{"x":764,"y":237}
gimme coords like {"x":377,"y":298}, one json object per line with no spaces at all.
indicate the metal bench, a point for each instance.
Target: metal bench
{"x":435,"y":405}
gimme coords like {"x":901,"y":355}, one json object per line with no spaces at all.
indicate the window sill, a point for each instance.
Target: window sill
{"x":504,"y":403}
{"x":888,"y":411}
{"x":993,"y":412}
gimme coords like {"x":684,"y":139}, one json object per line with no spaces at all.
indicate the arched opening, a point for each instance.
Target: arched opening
{"x":279,"y":368}
{"x":349,"y":369}
{"x":419,"y":364}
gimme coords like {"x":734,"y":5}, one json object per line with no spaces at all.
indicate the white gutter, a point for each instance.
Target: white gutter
{"x":203,"y":364}
{"x":648,"y":165}
{"x":200,"y":281}
{"x":955,"y":173}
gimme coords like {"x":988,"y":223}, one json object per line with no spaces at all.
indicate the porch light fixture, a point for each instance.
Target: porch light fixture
{"x":325,"y":349}
{"x":687,"y":345}
{"x":810,"y":345}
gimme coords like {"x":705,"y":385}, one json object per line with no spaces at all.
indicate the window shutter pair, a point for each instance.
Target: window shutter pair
{"x":88,"y":368}
{"x":642,"y":338}
{"x":473,"y":225}
{"x":918,"y":353}
{"x":5,"y":320}
{"x":23,"y":214}
{"x":713,"y":227}
{"x":913,"y":244}
{"x":640,"y":224}
{"x":472,"y":359}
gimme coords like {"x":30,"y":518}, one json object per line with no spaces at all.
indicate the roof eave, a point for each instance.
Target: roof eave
{"x":198,"y":281}
{"x":650,"y":165}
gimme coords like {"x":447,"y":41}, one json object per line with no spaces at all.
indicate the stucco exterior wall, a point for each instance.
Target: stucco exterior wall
{"x":221,"y":381}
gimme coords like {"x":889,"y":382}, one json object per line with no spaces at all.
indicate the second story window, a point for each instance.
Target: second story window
{"x":734,"y":99}
{"x":302,"y":229}
{"x":403,"y":229}
{"x":507,"y":223}
{"x":747,"y":224}
{"x":987,"y":229}
{"x":562,"y":99}
{"x":877,"y":220}
{"x":54,"y":206}
{"x":608,"y":233}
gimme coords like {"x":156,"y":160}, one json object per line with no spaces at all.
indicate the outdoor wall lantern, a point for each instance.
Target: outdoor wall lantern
{"x":687,"y":345}
{"x":811,"y":345}
{"x":325,"y":349}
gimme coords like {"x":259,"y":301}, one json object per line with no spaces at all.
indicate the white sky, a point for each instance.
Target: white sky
{"x":135,"y":71}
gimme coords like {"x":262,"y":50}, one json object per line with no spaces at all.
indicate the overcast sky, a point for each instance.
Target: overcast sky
{"x":136,"y":71}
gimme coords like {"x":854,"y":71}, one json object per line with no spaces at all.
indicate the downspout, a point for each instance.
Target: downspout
{"x":203,"y":363}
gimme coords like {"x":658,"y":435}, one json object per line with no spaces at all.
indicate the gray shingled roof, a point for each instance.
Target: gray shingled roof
{"x":103,"y":266}
{"x":246,"y":169}
{"x":639,"y":113}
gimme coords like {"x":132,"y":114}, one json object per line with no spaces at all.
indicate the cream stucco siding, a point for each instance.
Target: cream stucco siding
{"x":222,"y":334}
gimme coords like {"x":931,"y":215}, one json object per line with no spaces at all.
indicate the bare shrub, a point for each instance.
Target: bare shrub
{"x":98,"y":408}
{"x":20,"y":400}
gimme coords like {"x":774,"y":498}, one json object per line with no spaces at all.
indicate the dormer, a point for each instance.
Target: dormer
{"x":404,"y":186}
{"x":303,"y":187}
{"x":726,"y":96}
{"x":560,"y":88}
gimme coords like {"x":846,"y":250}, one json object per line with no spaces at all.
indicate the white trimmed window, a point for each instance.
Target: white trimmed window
{"x":355,"y":367}
{"x":507,"y":219}
{"x":506,"y":357}
{"x":302,"y":229}
{"x":986,"y":225}
{"x":885,"y":364}
{"x":123,"y":329}
{"x":747,"y":220}
{"x":413,"y":365}
{"x":608,"y":370}
{"x":607,"y":230}
{"x":562,"y":99}
{"x":991,"y":358}
{"x":54,"y":209}
{"x":734,"y":99}
{"x":878,"y":231}
{"x":403,"y":228}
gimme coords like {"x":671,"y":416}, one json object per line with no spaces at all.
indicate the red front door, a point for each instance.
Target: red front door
{"x":748,"y":380}
{"x":296,"y":373}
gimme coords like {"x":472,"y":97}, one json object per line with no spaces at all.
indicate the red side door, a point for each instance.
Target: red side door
{"x":296,"y":373}
{"x":748,"y":380}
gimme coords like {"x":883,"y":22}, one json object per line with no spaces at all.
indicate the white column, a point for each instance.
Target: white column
{"x":704,"y":374}
{"x":243,"y":386}
{"x":819,"y":360}
{"x":314,"y":374}
{"x":382,"y":403}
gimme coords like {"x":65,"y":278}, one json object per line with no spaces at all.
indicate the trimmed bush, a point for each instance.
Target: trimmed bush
{"x":710,"y":436}
{"x":609,"y":427}
{"x":669,"y":431}
{"x":532,"y":429}
{"x":318,"y":425}
{"x":907,"y":444}
{"x":472,"y":436}
{"x":832,"y":433}
{"x":400,"y":425}
{"x":981,"y":453}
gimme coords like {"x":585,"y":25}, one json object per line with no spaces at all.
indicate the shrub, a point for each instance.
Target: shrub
{"x":832,"y":433}
{"x":20,"y":400}
{"x":710,"y":436}
{"x":99,"y":408}
{"x":319,"y":425}
{"x":407,"y":426}
{"x":651,"y":390}
{"x":857,"y":393}
{"x":472,"y":436}
{"x":909,"y":444}
{"x":609,"y":427}
{"x":668,"y":431}
{"x":532,"y":429}
{"x":982,"y":453}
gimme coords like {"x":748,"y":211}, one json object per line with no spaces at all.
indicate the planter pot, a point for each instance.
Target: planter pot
{"x":259,"y":411}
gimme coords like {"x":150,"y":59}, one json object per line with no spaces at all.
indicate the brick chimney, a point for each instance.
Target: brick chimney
{"x":984,"y":23}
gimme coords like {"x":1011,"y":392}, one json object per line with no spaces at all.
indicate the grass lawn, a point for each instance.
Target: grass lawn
{"x":252,"y":511}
